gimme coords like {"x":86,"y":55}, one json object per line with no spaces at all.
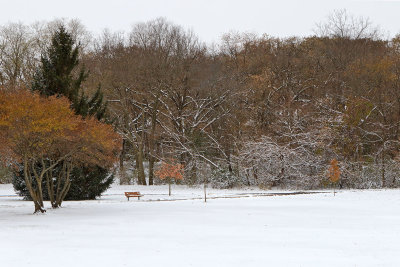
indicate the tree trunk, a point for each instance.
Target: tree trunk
{"x":140,"y":155}
{"x":383,"y":169}
{"x":50,"y":187}
{"x":39,"y":192}
{"x":141,"y":174}
{"x":122,"y":175}
{"x":152,"y":149}
{"x":248,"y":177}
{"x":151,"y":169}
{"x":255,"y":176}
{"x":230,"y":169}
{"x":62,"y":192}
{"x":193,"y":173}
{"x":205,"y":189}
{"x":32,"y":193}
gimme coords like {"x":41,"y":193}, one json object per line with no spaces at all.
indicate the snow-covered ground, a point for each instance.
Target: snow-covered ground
{"x":353,"y":228}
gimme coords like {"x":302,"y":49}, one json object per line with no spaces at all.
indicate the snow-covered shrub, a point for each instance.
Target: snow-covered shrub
{"x":365,"y":175}
{"x":5,"y":175}
{"x":223,"y":179}
{"x":268,"y":164}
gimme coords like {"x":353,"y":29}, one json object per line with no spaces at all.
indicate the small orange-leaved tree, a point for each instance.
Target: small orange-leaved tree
{"x":334,"y":173}
{"x":170,"y":171}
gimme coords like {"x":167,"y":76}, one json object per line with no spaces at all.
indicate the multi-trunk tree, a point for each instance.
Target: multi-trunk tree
{"x":44,"y":133}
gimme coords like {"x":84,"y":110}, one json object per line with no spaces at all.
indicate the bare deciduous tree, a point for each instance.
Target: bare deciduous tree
{"x":341,"y":24}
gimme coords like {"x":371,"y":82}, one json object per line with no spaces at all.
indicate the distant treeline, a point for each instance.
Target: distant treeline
{"x":250,"y":110}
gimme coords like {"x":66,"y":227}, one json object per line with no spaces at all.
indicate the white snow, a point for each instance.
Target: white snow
{"x":353,"y":228}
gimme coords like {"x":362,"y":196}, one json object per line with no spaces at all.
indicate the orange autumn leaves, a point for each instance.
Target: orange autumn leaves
{"x":334,"y":171}
{"x":31,"y":124}
{"x":170,"y":171}
{"x":34,"y":127}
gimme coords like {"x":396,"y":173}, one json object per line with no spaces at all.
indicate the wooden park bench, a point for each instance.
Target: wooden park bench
{"x":133,"y":194}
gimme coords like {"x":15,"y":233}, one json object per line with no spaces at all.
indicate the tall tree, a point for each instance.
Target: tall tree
{"x":59,"y":75}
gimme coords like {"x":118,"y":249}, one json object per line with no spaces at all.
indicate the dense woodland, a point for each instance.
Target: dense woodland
{"x":250,"y":110}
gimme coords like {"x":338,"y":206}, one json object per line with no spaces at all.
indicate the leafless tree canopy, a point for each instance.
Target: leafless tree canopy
{"x":251,"y":110}
{"x":341,"y":24}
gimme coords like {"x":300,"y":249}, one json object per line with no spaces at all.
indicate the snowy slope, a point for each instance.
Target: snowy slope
{"x":354,"y":228}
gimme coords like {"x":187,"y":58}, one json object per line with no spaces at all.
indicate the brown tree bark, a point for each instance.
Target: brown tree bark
{"x":123,"y":179}
{"x":33,"y":194}
{"x":140,"y":164}
{"x":152,"y":140}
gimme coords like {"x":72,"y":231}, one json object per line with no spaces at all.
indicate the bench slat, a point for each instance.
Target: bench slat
{"x":133,"y":194}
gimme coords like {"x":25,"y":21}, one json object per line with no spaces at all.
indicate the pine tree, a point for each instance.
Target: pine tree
{"x":57,"y":75}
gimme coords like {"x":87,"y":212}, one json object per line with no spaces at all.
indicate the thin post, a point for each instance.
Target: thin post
{"x":205,"y":192}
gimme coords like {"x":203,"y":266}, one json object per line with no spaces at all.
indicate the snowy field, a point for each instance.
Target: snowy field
{"x":354,"y":228}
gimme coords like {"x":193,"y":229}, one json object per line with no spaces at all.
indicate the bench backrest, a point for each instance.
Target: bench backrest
{"x":132,"y":193}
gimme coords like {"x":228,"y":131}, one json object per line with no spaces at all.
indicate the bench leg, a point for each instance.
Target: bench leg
{"x":138,"y":198}
{"x":128,"y":198}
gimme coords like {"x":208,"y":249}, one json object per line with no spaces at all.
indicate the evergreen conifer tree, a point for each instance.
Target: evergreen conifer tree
{"x":57,"y":75}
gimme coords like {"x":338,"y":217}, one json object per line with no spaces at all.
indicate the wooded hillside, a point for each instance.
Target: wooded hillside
{"x":250,"y":110}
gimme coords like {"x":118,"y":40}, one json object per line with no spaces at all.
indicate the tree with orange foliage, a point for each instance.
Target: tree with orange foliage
{"x":170,"y":171}
{"x":334,"y":173}
{"x":43,"y":132}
